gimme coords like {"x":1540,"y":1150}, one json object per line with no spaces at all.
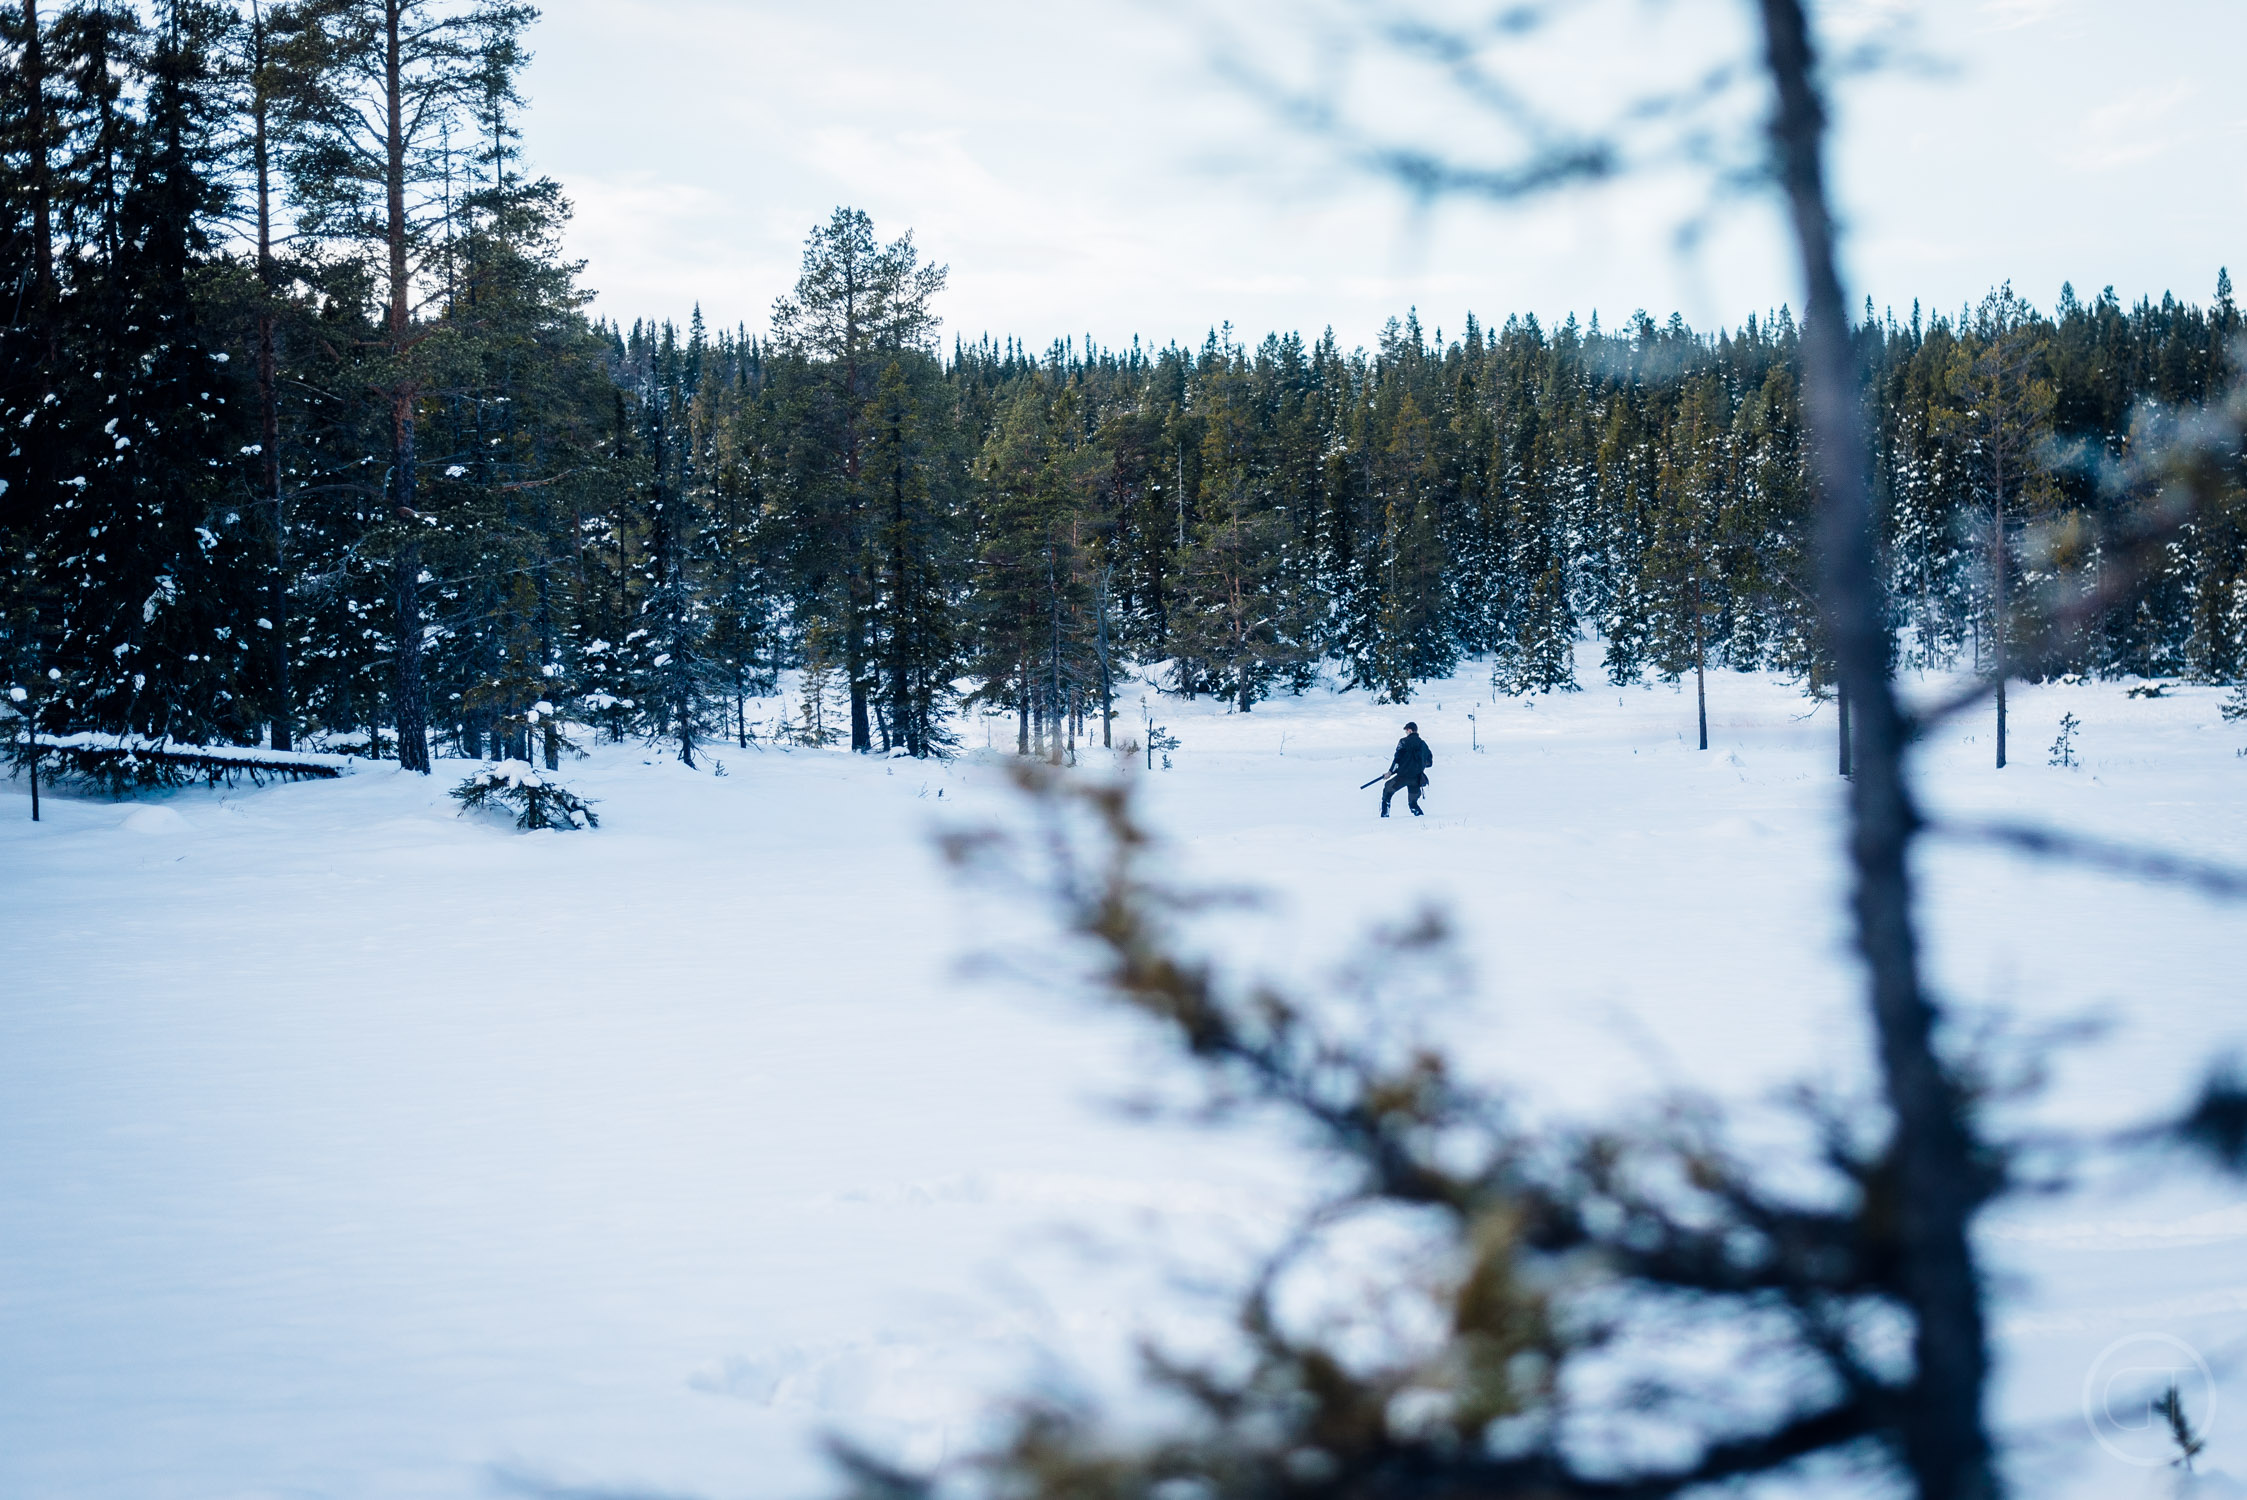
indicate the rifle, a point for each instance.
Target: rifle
{"x":1384,"y":776}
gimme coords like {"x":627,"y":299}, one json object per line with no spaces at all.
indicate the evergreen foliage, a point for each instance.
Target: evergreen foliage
{"x":372,"y":470}
{"x":539,"y":801}
{"x":148,"y":535}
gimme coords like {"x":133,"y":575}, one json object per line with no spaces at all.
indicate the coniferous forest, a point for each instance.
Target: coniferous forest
{"x":363,"y":1147}
{"x":309,"y":434}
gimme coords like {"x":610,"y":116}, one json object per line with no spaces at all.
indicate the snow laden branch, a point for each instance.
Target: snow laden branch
{"x":1630,"y":1310}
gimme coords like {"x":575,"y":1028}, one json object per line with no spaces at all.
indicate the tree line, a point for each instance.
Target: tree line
{"x":309,"y":431}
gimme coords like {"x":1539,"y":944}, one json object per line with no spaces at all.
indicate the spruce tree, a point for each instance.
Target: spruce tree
{"x":1235,"y":614}
{"x":672,"y":632}
{"x":1626,"y":466}
{"x":1538,"y":653}
{"x":2000,"y":407}
{"x":1032,"y":586}
{"x":912,"y":626}
{"x":30,"y":362}
{"x":1414,"y":637}
{"x":151,"y":544}
{"x":1682,"y":572}
{"x":734,"y":549}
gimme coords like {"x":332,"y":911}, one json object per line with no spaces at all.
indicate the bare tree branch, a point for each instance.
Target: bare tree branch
{"x":2227,"y":882}
{"x":1941,"y":1179}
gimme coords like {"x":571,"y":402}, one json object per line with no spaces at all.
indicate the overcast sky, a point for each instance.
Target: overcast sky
{"x":1084,"y":166}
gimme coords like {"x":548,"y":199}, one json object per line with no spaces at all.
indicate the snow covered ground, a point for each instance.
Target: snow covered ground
{"x":350,"y":1148}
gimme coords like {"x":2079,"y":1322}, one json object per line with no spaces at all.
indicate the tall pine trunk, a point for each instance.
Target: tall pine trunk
{"x":268,"y":390}
{"x":855,"y":603}
{"x":42,"y":184}
{"x":1053,"y":681}
{"x":551,"y":720}
{"x":1700,"y":664}
{"x":46,"y":326}
{"x":1997,"y":580}
{"x":1107,"y":682}
{"x":854,"y":664}
{"x":106,"y":137}
{"x":901,"y":715}
{"x":409,"y":706}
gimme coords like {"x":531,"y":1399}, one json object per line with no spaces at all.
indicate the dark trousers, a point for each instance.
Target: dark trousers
{"x":1411,"y":786}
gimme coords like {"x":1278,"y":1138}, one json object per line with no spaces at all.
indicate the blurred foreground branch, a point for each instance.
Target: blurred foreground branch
{"x":1944,"y":1175}
{"x":1611,"y":1312}
{"x":1567,"y":1284}
{"x":2228,"y":882}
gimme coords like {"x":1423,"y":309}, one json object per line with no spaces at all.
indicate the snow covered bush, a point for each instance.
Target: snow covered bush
{"x":538,"y":800}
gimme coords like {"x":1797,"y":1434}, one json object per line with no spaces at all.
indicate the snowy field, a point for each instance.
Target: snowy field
{"x":353,"y":1149}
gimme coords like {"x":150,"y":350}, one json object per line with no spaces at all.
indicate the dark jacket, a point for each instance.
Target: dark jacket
{"x":1412,"y":760}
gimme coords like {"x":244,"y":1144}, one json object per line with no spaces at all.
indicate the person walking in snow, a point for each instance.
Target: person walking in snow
{"x":1408,"y":769}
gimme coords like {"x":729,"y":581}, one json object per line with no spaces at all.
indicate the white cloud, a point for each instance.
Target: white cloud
{"x":2011,"y":15}
{"x":2135,"y":128}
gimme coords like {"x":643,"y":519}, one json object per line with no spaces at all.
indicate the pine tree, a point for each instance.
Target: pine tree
{"x":1020,"y":528}
{"x":857,"y":304}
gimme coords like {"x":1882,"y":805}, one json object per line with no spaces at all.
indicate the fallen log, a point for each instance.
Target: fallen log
{"x":121,"y":764}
